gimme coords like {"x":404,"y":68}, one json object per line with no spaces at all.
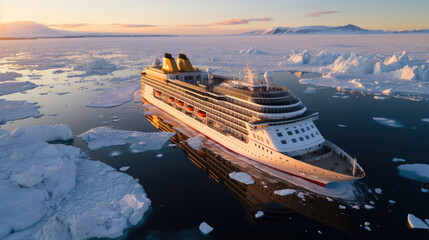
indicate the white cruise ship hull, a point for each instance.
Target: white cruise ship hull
{"x":249,"y":149}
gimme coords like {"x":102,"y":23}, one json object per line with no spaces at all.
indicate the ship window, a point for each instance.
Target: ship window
{"x":294,"y":140}
{"x":317,"y":133}
{"x":296,"y":131}
{"x":254,"y":135}
{"x":283,"y":141}
{"x":308,"y":128}
{"x":306,"y":136}
{"x":302,"y":130}
{"x":301,"y":139}
{"x":258,"y":137}
{"x":312,"y":126}
{"x":277,"y":130}
{"x":289,"y":133}
{"x":268,"y":141}
{"x":280,"y":134}
{"x":312,"y":135}
{"x":263,"y":148}
{"x":259,"y":146}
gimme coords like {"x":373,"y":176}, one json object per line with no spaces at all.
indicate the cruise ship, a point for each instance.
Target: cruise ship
{"x":256,"y":119}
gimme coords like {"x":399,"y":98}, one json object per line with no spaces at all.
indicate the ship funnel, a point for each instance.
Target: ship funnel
{"x":268,"y":77}
{"x":156,"y":63}
{"x":184,"y":63}
{"x":168,"y":63}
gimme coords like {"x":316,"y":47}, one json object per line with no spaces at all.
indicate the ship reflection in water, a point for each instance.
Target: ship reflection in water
{"x":260,"y":196}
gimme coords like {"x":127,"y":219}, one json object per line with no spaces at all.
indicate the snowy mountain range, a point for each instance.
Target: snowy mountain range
{"x":346,"y":29}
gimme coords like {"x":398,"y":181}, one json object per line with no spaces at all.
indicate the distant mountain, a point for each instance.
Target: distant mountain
{"x":346,"y":29}
{"x":30,"y":29}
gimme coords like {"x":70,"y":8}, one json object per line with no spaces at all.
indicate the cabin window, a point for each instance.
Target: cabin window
{"x":317,"y":133}
{"x":294,"y":140}
{"x":301,"y":139}
{"x":307,"y":137}
{"x":302,"y":130}
{"x":263,"y":148}
{"x":308,"y":128}
{"x":254,"y":135}
{"x":289,"y":133}
{"x":283,"y":141}
{"x":312,"y":135}
{"x":280,"y":134}
{"x":296,"y":131}
{"x":312,"y":126}
{"x":268,"y":141}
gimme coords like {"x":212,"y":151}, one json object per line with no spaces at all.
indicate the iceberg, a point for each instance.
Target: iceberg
{"x":389,"y":122}
{"x":418,"y":172}
{"x":285,"y":192}
{"x":242,"y":177}
{"x":13,"y":110}
{"x":415,"y":222}
{"x":114,"y":97}
{"x":55,"y":193}
{"x":102,"y":137}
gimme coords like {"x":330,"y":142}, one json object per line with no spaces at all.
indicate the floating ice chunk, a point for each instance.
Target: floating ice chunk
{"x":285,"y":192}
{"x":415,"y":222}
{"x":205,"y":228}
{"x":99,"y":66}
{"x":389,"y":122}
{"x":13,"y":87}
{"x":301,"y":195}
{"x":417,"y":172}
{"x":114,"y":97}
{"x":159,"y":155}
{"x":323,"y":58}
{"x":378,"y":190}
{"x":101,"y":137}
{"x":8,"y":76}
{"x":329,"y":199}
{"x":342,"y":207}
{"x":342,"y":125}
{"x":299,"y":58}
{"x":259,"y":214}
{"x":195,"y":142}
{"x":13,"y":110}
{"x":319,"y":232}
{"x":47,"y":133}
{"x":310,"y":90}
{"x":356,"y":207}
{"x":123,"y":169}
{"x":368,"y":206}
{"x":367,"y":228}
{"x":242,"y":177}
{"x":395,"y":159}
{"x":380,"y":97}
{"x":137,"y":96}
{"x":115,"y":153}
{"x":425,"y":120}
{"x":392,"y":202}
{"x":424,"y":190}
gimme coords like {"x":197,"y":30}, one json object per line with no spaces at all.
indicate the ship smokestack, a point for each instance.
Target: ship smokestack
{"x":184,"y":63}
{"x":168,"y":63}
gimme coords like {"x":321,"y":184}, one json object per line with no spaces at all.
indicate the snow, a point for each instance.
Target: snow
{"x":378,"y":190}
{"x":259,"y":214}
{"x":13,"y":110}
{"x":115,"y":153}
{"x":13,"y":87}
{"x":425,"y":120}
{"x":242,"y":177}
{"x":114,"y":97}
{"x":415,"y":222}
{"x":389,"y":122}
{"x":285,"y":192}
{"x":123,"y":169}
{"x":54,"y":193}
{"x":424,"y":190}
{"x":8,"y":76}
{"x":395,"y":159}
{"x":205,"y":228}
{"x":195,"y":142}
{"x":102,"y":137}
{"x":417,"y":172}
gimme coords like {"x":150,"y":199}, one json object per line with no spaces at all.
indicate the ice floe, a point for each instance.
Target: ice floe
{"x":426,"y":120}
{"x":54,"y":192}
{"x":8,"y":76}
{"x":415,"y":222}
{"x":395,"y":159}
{"x":98,"y":66}
{"x":115,"y":153}
{"x":378,"y":190}
{"x":417,"y":172}
{"x":114,"y":97}
{"x":342,"y":125}
{"x":377,"y":97}
{"x":389,"y":122}
{"x":392,"y":202}
{"x":205,"y":228}
{"x":424,"y":190}
{"x":159,"y":155}
{"x":368,"y":206}
{"x":13,"y":87}
{"x":123,"y":169}
{"x":310,"y":90}
{"x":299,"y":57}
{"x":242,"y":177}
{"x":101,"y":137}
{"x":13,"y":110}
{"x":342,"y":207}
{"x":196,"y":142}
{"x":285,"y":192}
{"x":259,"y":214}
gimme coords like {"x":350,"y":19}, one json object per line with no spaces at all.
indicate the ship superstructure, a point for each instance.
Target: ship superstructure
{"x":259,"y":120}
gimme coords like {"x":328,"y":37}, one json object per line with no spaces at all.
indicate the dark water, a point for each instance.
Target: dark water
{"x":187,"y":186}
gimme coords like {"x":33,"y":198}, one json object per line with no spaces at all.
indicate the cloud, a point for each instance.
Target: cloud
{"x":131,"y":25}
{"x":70,"y":25}
{"x":231,"y":21}
{"x":319,"y":14}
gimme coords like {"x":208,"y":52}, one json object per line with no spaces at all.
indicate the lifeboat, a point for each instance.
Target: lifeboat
{"x":189,"y":108}
{"x":158,"y":93}
{"x":179,"y":103}
{"x":201,"y":114}
{"x":171,"y":100}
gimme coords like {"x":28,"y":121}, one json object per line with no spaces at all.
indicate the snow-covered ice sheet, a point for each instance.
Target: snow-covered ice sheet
{"x":54,"y":192}
{"x":13,"y":110}
{"x":101,"y":137}
{"x":242,"y":177}
{"x":285,"y":192}
{"x":417,"y":172}
{"x":416,"y":222}
{"x":13,"y":87}
{"x":114,"y":97}
{"x":389,"y":122}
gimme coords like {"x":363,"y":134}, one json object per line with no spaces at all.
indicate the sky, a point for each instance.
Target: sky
{"x":214,"y":17}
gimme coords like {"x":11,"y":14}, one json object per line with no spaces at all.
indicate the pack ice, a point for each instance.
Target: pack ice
{"x":417,"y":172}
{"x":114,"y":97}
{"x":49,"y":191}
